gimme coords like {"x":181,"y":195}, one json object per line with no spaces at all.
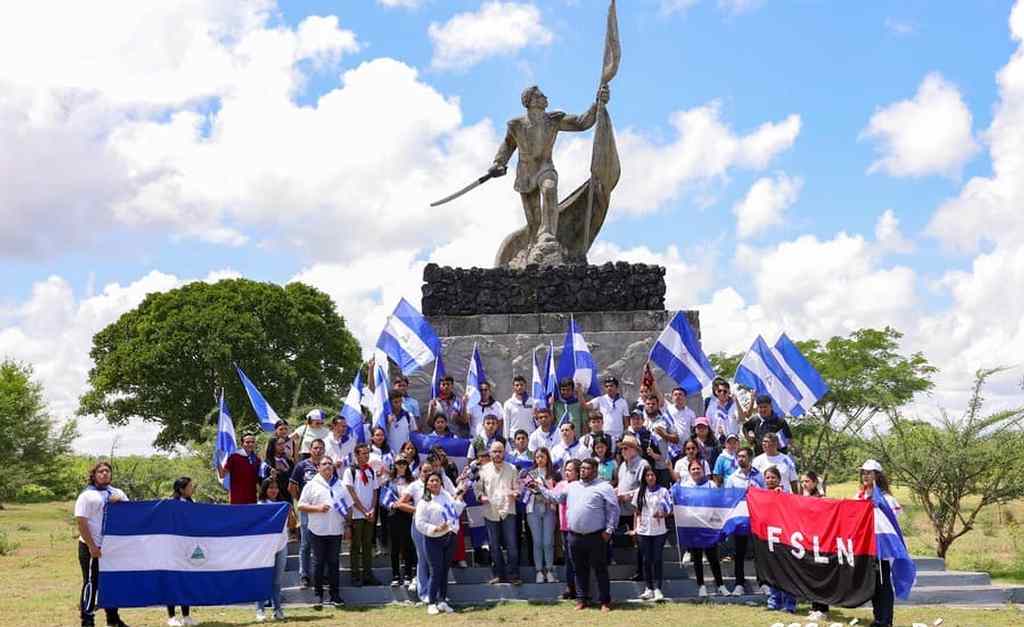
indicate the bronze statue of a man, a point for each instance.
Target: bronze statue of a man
{"x":536,"y":181}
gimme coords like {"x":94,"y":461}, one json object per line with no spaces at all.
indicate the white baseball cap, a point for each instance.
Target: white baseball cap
{"x":315,"y":414}
{"x":871,"y":465}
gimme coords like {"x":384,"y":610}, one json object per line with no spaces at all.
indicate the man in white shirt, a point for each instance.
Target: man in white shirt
{"x":614,"y":409}
{"x":341,"y":444}
{"x":682,"y":416}
{"x":400,"y":382}
{"x":630,"y":475}
{"x":400,"y":422}
{"x":326,"y":525}
{"x":568,"y":448}
{"x":724,"y":410}
{"x":89,"y":509}
{"x":497,"y":490}
{"x":772,"y":457}
{"x":487,"y":406}
{"x":362,"y":484}
{"x":545,"y":435}
{"x":518,"y":410}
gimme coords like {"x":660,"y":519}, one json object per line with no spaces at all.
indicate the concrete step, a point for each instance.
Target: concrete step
{"x":965,"y":595}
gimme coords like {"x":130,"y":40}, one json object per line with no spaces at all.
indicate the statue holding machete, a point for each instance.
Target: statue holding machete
{"x":557,"y":232}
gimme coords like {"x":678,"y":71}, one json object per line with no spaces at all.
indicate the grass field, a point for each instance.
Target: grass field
{"x":42,"y":580}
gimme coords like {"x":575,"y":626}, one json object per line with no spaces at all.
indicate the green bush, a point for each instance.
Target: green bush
{"x":34,"y":493}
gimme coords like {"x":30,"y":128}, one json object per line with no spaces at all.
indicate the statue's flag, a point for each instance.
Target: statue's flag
{"x":175,"y":553}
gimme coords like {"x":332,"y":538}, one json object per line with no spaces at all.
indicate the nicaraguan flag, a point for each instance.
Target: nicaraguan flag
{"x":225,"y":443}
{"x":388,"y":496}
{"x":266,"y":414}
{"x":352,"y":411}
{"x":761,"y":372}
{"x":705,"y":516}
{"x":439,"y":373}
{"x":475,"y":515}
{"x":474,"y":377}
{"x":457,"y":449}
{"x":576,"y":361}
{"x":889,"y":544}
{"x":678,"y":352}
{"x":408,"y":339}
{"x":803,"y":375}
{"x":381,"y":404}
{"x":551,"y":374}
{"x":538,"y":390}
{"x":177,"y":553}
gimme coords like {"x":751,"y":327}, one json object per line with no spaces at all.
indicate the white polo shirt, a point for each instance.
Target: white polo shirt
{"x":415,"y":489}
{"x":89,"y":505}
{"x":318,"y":492}
{"x":477,"y":413}
{"x":561,"y":453}
{"x":781,"y":461}
{"x":682,"y":419}
{"x":353,"y":477}
{"x":340,"y":451}
{"x":615,"y":412}
{"x":518,"y":415}
{"x":541,"y":439}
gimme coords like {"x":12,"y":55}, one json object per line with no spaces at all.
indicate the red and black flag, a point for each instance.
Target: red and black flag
{"x":819,"y":549}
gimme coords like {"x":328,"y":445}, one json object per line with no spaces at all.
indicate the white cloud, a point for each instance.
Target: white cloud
{"x":669,"y":7}
{"x":929,"y":134}
{"x":898,"y":27}
{"x":405,"y":4}
{"x":685,"y":277}
{"x":765,"y":204}
{"x":889,"y":236}
{"x":732,"y":7}
{"x":498,"y":28}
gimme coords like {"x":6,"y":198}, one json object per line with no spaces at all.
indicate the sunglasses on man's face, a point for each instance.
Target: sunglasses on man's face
{"x":722,"y":391}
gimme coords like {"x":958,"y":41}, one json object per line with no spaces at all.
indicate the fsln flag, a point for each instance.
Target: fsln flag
{"x":761,"y":372}
{"x":678,"y":352}
{"x":538,"y":390}
{"x":226,"y":443}
{"x":381,"y":404}
{"x":474,"y":377}
{"x":890,"y":545}
{"x":266,"y":414}
{"x":551,"y":374}
{"x":820,"y":549}
{"x":175,"y":553}
{"x":704,"y":517}
{"x":576,"y":362}
{"x":803,"y":375}
{"x":439,"y":373}
{"x":408,"y":339}
{"x":352,"y":411}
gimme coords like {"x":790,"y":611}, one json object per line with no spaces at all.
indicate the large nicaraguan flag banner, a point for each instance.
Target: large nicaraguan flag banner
{"x":177,"y":553}
{"x":704,"y":517}
{"x":819,"y":549}
{"x":456,"y":449}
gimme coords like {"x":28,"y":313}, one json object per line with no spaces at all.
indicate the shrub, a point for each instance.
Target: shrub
{"x":33,"y":493}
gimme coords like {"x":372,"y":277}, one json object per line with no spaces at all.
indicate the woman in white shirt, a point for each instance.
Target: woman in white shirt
{"x":437,"y":518}
{"x":697,"y":478}
{"x":653,"y":503}
{"x":326,"y":525}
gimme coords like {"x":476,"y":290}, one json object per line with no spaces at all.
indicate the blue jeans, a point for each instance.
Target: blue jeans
{"x":570,"y":568}
{"x":781,"y":600}
{"x":542,"y":527}
{"x":280,"y":558}
{"x":419,"y":542}
{"x":439,"y":555}
{"x":498,"y":533}
{"x":305,"y":548}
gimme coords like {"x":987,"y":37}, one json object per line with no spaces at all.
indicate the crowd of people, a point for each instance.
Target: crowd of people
{"x":560,"y":483}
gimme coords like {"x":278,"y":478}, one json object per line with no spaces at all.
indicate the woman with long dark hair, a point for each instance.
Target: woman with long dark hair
{"x":182,"y":490}
{"x":277,"y":465}
{"x":399,"y":523}
{"x":540,"y":517}
{"x":437,"y":518}
{"x":653,"y":503}
{"x":698,"y":479}
{"x":270,"y":492}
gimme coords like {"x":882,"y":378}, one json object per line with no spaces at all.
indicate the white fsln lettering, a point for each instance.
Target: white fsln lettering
{"x":818,"y":558}
{"x":798,"y":550}
{"x":774,"y":535}
{"x":844,"y":549}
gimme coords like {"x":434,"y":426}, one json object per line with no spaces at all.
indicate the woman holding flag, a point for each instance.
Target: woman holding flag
{"x":882,"y":602}
{"x":653,"y":503}
{"x":437,"y":518}
{"x":697,"y":478}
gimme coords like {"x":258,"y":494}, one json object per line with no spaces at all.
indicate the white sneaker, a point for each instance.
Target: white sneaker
{"x":444,"y":607}
{"x":540,"y":576}
{"x":738,"y":591}
{"x":260,"y":616}
{"x":816,"y":615}
{"x":764,"y":590}
{"x":551,"y":577}
{"x":278,"y":614}
{"x":723,"y":591}
{"x":658,"y":596}
{"x":702,"y":592}
{"x":174,"y":621}
{"x":188,"y":621}
{"x":412,"y":586}
{"x":647,"y":594}
{"x":433,"y":610}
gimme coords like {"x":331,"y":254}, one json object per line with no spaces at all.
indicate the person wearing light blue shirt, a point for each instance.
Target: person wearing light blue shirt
{"x":726,"y":463}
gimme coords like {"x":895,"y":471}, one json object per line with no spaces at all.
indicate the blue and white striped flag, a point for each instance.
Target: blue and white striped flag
{"x":806,"y":379}
{"x":474,"y":377}
{"x":761,"y":371}
{"x":388,"y":495}
{"x":435,"y":381}
{"x":381,"y":404}
{"x":175,"y":553}
{"x":706,"y":516}
{"x":665,"y":503}
{"x":576,"y":362}
{"x":352,"y":411}
{"x":538,"y":390}
{"x":889,"y":544}
{"x":266,"y":414}
{"x":225,"y":443}
{"x":408,"y":339}
{"x":678,"y":352}
{"x":551,"y":374}
{"x":457,"y":449}
{"x":340,"y":504}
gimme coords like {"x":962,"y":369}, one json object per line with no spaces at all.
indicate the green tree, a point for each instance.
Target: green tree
{"x":957,"y":467}
{"x":34,"y":444}
{"x":164,"y":360}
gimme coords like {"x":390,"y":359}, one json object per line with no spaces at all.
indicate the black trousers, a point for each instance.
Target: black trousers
{"x":400,"y":528}
{"x":882,"y":602}
{"x":590,"y":552}
{"x":326,"y":557}
{"x":170,"y":611}
{"x":697,"y":557}
{"x":90,"y":588}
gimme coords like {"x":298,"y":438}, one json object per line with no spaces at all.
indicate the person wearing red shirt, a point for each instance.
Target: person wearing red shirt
{"x":243,"y":467}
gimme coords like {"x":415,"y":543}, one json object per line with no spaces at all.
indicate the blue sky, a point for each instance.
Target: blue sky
{"x":233,"y":146}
